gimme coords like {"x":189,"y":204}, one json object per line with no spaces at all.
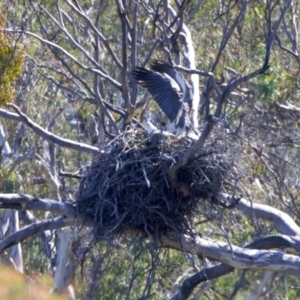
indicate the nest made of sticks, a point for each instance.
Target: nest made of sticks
{"x":127,"y":187}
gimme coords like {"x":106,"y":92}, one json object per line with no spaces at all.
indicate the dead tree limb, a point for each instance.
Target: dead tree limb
{"x":27,"y":202}
{"x":49,"y":136}
{"x":34,"y":228}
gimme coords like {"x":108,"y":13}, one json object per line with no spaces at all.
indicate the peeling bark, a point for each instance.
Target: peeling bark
{"x":237,"y":257}
{"x":16,"y":250}
{"x":66,"y":263}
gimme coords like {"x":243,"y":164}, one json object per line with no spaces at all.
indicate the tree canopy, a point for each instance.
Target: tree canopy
{"x":113,"y":211}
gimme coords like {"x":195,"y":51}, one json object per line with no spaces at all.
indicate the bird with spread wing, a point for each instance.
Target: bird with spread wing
{"x":172,"y":93}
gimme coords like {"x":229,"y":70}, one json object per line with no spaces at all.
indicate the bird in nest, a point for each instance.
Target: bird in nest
{"x":172,"y":93}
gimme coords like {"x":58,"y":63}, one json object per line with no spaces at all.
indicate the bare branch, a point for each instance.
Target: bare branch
{"x":222,"y":269}
{"x":237,"y":257}
{"x":71,"y":76}
{"x":282,"y":221}
{"x":4,"y":224}
{"x":191,"y":151}
{"x":228,"y":33}
{"x":231,"y":86}
{"x":27,"y":202}
{"x":66,"y":262}
{"x":195,"y":9}
{"x":192,"y":71}
{"x":47,"y":236}
{"x":294,"y":54}
{"x":134,"y":91}
{"x":190,"y":57}
{"x":10,"y":115}
{"x":41,"y":167}
{"x":95,"y":70}
{"x":71,"y":39}
{"x":34,"y":228}
{"x":49,"y":136}
{"x":70,"y":175}
{"x":4,"y":145}
{"x":257,"y":293}
{"x":97,"y":93}
{"x":284,"y":242}
{"x":94,"y":28}
{"x":204,"y":275}
{"x":238,"y":285}
{"x":16,"y":250}
{"x":122,"y":15}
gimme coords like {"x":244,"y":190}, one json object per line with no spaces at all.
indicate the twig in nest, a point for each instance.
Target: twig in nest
{"x":128,"y":187}
{"x":145,"y":175}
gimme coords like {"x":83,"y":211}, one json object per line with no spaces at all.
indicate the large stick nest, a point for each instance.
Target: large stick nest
{"x":127,"y":187}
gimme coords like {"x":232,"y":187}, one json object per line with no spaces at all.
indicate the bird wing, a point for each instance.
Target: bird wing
{"x":163,"y":67}
{"x":165,"y":91}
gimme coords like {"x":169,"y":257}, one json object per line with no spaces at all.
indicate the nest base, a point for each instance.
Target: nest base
{"x":127,"y":187}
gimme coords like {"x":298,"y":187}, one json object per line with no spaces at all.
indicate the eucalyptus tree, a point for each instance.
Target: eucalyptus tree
{"x":76,"y":96}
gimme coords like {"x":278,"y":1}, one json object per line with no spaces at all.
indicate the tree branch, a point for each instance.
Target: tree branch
{"x":237,"y":257}
{"x":34,"y":228}
{"x":27,"y":202}
{"x":231,"y":86}
{"x":74,"y":59}
{"x":122,"y":15}
{"x":49,"y":136}
{"x":94,"y":28}
{"x":282,"y":221}
{"x":190,"y":283}
{"x":206,"y":274}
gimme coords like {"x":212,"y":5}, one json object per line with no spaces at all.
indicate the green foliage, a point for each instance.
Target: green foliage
{"x":245,"y":52}
{"x":267,"y":87}
{"x":12,"y":56}
{"x":133,"y":262}
{"x":8,"y":181}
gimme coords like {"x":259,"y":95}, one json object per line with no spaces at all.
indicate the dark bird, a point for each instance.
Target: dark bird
{"x":172,"y":93}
